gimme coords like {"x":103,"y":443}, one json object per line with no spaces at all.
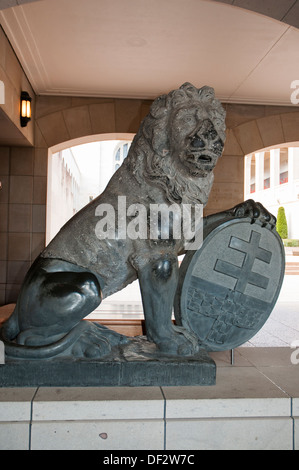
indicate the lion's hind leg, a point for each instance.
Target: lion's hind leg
{"x":52,"y":304}
{"x":48,"y":320}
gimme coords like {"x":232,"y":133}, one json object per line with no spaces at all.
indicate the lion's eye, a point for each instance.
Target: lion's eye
{"x":189,"y":119}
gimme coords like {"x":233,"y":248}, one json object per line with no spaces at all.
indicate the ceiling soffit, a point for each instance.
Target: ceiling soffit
{"x":147,"y":48}
{"x":286,"y":11}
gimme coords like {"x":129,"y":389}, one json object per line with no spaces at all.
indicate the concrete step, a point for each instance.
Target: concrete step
{"x":292,"y":268}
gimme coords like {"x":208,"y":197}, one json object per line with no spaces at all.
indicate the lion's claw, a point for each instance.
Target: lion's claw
{"x":180,"y":343}
{"x":256,"y":212}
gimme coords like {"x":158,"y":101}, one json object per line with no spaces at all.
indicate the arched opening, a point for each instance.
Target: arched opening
{"x":77,"y":175}
{"x":272,"y":178}
{"x":2,"y":93}
{"x":79,"y":171}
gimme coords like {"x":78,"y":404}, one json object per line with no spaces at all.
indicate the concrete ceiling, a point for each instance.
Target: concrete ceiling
{"x":141,"y":48}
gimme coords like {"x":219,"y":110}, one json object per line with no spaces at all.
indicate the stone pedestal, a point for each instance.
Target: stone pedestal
{"x":198,"y":370}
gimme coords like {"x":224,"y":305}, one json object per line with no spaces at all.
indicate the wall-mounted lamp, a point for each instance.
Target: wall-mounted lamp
{"x":25,"y":109}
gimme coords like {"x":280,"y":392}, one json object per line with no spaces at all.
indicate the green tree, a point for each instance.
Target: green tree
{"x":282,"y":225}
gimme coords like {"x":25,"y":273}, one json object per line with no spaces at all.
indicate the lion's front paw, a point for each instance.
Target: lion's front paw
{"x":255,"y":211}
{"x":180,"y":343}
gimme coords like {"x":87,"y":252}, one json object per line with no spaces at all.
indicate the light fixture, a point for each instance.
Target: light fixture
{"x":25,"y":110}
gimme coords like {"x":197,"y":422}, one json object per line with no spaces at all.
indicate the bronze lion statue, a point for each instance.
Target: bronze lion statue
{"x":171,"y":161}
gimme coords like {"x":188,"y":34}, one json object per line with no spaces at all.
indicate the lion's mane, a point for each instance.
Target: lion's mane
{"x":150,"y":156}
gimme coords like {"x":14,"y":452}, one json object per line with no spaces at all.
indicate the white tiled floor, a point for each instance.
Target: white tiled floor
{"x":254,"y":405}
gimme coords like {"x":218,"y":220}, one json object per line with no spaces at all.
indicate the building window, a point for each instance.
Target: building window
{"x":284,"y":166}
{"x":267,"y":170}
{"x":272,"y":178}
{"x":125,"y":150}
{"x":120,"y":153}
{"x":117,"y":156}
{"x":252,"y":175}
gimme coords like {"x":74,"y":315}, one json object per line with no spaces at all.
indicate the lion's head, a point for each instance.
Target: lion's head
{"x":179,"y":142}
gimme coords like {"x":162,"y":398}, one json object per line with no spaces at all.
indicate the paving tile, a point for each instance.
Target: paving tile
{"x":14,"y":436}
{"x":15,"y":403}
{"x":230,"y":434}
{"x":98,"y":435}
{"x":259,"y":357}
{"x":239,"y":392}
{"x":286,"y":378}
{"x":93,"y":403}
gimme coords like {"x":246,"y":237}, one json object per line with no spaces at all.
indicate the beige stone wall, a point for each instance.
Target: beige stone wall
{"x":15,"y":81}
{"x":61,"y":119}
{"x":66,"y":118}
{"x":23,"y":173}
{"x":249,"y":128}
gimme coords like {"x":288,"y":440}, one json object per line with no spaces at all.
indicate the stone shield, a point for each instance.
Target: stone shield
{"x":228,"y":288}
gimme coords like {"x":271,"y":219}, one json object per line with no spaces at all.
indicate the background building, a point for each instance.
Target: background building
{"x":78,"y":175}
{"x":272,"y":178}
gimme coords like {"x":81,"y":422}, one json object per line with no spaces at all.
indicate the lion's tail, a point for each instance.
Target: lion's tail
{"x":20,"y":351}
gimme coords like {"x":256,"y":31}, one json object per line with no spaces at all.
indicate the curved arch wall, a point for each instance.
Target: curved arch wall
{"x":63,"y":119}
{"x":249,"y":128}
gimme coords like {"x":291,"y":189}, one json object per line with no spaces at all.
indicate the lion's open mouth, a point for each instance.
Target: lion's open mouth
{"x":199,"y":163}
{"x":199,"y":159}
{"x":204,"y":159}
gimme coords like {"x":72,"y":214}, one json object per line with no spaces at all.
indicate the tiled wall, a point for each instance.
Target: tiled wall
{"x":23,"y":173}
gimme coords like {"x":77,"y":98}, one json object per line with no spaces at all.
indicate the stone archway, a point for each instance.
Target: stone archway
{"x":64,"y":120}
{"x":61,"y":119}
{"x":249,"y":129}
{"x":267,"y":131}
{"x":70,"y":176}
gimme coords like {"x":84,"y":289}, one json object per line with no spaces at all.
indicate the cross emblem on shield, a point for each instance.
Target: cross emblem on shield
{"x":229,"y":287}
{"x":244,"y":275}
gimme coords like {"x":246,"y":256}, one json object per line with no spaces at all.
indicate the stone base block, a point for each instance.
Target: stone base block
{"x":198,"y":370}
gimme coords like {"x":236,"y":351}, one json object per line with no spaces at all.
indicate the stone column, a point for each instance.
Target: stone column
{"x":274,"y":167}
{"x":259,"y":171}
{"x":2,"y":93}
{"x":248,"y":159}
{"x":293,"y":164}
